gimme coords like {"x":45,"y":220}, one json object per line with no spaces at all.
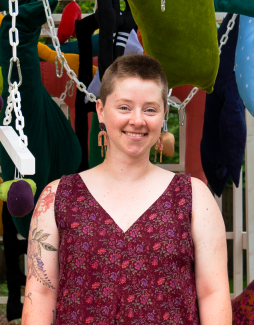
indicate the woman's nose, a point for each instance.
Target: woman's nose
{"x":137,"y":119}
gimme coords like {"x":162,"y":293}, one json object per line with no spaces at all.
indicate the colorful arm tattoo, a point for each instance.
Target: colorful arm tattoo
{"x":37,"y":239}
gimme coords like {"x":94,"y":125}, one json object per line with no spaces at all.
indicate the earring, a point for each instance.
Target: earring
{"x":158,"y":147}
{"x":104,"y":134}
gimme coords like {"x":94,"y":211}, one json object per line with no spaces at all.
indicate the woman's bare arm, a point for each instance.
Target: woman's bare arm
{"x":209,"y":236}
{"x":42,"y":261}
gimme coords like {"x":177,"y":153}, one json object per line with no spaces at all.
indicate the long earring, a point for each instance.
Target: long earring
{"x":104,"y":134}
{"x":158,"y":147}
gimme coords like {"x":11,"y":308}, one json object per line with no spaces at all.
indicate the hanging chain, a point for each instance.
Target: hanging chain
{"x":230,"y":26}
{"x":80,"y":85}
{"x":182,"y":106}
{"x":69,"y":89}
{"x":91,"y":97}
{"x":14,"y":99}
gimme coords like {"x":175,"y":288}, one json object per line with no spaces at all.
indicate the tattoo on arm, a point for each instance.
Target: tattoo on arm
{"x":36,"y":241}
{"x":54,"y":318}
{"x":45,"y":202}
{"x":28,"y":296}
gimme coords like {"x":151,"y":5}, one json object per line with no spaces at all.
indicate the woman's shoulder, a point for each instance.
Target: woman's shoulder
{"x":200,"y":188}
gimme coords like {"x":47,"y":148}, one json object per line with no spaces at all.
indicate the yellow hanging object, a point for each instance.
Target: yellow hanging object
{"x":1,"y":211}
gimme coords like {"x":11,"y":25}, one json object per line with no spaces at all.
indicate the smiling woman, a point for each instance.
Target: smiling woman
{"x":131,"y":237}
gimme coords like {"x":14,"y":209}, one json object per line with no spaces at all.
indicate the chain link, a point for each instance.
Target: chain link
{"x":69,"y":89}
{"x":61,"y":58}
{"x":230,"y":26}
{"x":14,"y":98}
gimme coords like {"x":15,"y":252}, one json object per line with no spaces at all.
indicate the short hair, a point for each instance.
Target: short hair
{"x":134,"y":65}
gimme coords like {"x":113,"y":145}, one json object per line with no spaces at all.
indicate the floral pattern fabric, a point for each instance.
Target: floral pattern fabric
{"x":142,"y":276}
{"x":243,"y":307}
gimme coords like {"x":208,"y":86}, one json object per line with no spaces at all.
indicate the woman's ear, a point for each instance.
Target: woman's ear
{"x":100,"y":111}
{"x":165,"y":112}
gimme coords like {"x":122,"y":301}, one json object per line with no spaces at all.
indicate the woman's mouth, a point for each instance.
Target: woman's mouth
{"x":138,"y":135}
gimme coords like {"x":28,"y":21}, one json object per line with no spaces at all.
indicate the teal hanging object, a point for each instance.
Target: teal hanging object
{"x":235,"y":7}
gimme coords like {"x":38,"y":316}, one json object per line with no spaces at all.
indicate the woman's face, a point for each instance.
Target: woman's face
{"x":133,"y":115}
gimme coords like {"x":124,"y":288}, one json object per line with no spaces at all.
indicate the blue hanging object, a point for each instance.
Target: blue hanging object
{"x":244,"y":62}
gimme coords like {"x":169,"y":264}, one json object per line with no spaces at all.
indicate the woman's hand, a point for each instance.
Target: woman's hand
{"x":42,"y":261}
{"x":209,"y":236}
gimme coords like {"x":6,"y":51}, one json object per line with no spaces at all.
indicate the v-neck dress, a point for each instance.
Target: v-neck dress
{"x":142,"y":276}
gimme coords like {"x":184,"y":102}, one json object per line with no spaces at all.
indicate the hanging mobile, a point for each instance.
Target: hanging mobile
{"x":163,"y":5}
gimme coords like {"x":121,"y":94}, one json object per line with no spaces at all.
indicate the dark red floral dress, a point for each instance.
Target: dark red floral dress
{"x":143,"y":276}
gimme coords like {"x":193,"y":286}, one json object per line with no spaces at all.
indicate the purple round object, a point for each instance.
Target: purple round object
{"x":1,"y":103}
{"x":20,"y":199}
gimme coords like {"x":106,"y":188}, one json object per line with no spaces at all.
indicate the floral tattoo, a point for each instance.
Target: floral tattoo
{"x":37,"y":239}
{"x":35,"y":263}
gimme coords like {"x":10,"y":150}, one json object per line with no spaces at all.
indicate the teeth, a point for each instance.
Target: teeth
{"x":135,"y":134}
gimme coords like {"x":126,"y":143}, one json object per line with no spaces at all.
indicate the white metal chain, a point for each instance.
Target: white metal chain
{"x":91,"y":97}
{"x":80,"y":85}
{"x":181,"y":107}
{"x":230,"y":26}
{"x":14,"y":99}
{"x":69,"y":89}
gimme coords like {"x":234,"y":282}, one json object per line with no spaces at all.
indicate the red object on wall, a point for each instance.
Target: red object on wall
{"x":95,"y":61}
{"x":194,"y":128}
{"x":66,"y":28}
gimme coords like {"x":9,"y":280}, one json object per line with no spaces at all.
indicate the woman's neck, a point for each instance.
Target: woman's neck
{"x":126,"y":168}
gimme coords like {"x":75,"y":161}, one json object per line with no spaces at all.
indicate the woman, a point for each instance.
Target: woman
{"x":128,"y":242}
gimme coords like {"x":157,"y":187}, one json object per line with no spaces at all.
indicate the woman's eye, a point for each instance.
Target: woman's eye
{"x":150,"y":110}
{"x":124,"y":108}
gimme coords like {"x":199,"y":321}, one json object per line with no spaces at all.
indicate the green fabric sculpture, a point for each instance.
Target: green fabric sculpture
{"x":240,"y":7}
{"x":4,"y":187}
{"x":183,"y":39}
{"x":50,"y":137}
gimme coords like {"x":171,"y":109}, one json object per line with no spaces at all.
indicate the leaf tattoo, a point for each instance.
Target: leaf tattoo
{"x":36,"y":265}
{"x":46,"y":246}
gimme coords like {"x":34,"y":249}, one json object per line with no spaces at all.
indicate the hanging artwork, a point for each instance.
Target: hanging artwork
{"x":187,"y":52}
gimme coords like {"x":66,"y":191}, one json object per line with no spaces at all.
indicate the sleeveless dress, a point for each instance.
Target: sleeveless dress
{"x":142,"y":276}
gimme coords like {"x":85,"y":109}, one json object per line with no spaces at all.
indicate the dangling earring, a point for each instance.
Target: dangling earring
{"x":104,"y":134}
{"x":158,"y":147}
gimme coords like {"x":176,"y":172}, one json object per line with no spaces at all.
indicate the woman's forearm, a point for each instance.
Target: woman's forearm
{"x":215,"y":309}
{"x":38,"y":309}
